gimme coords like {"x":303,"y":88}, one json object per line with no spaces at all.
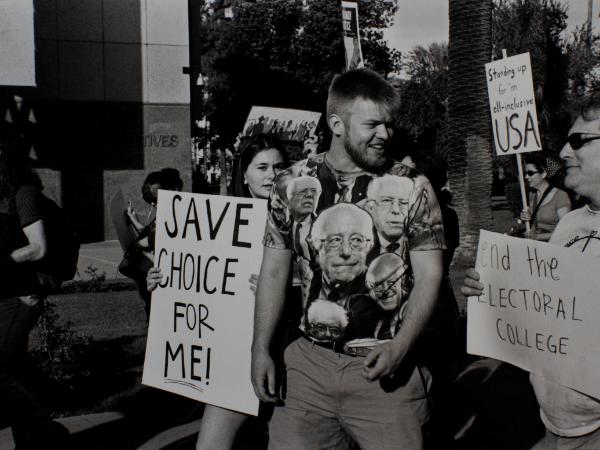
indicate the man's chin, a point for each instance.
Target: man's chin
{"x":373,"y":164}
{"x":342,"y":277}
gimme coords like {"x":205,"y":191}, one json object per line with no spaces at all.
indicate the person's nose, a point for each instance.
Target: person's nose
{"x":395,"y":208}
{"x":383,"y":132}
{"x":270,"y":173}
{"x":566,"y":152}
{"x":345,"y":249}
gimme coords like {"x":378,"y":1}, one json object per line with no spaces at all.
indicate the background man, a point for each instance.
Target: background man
{"x":387,"y":202}
{"x":343,"y":236}
{"x":303,"y":196}
{"x":361,"y":107}
{"x":572,"y":419}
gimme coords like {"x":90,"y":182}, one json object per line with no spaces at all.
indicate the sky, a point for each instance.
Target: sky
{"x":421,"y":22}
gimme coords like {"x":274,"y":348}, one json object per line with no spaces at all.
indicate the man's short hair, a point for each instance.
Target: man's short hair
{"x":374,"y":184}
{"x":361,"y":217}
{"x":294,"y":181}
{"x":360,"y":83}
{"x":385,"y":266}
{"x":590,"y":109}
{"x":321,"y":309}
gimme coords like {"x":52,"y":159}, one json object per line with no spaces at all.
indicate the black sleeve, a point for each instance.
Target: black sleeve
{"x":28,"y":205}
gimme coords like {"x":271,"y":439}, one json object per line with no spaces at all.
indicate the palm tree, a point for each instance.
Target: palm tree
{"x":469,"y":131}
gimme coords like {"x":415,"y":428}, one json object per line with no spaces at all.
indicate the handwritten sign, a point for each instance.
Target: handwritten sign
{"x":539,"y":310}
{"x":354,"y":58}
{"x":512,"y":105}
{"x":201,"y":319}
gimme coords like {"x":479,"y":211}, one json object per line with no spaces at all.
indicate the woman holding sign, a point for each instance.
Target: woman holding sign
{"x":548,"y":204}
{"x":260,"y":159}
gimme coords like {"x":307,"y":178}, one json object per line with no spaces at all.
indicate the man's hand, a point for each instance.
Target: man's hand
{"x":471,"y":285}
{"x":253,"y":282}
{"x":153,"y":278}
{"x":263,"y":376}
{"x":383,"y":360}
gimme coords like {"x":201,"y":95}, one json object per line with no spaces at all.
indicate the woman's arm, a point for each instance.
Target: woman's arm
{"x":36,"y":247}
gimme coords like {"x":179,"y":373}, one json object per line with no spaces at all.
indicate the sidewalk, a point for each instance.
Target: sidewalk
{"x":104,"y":256}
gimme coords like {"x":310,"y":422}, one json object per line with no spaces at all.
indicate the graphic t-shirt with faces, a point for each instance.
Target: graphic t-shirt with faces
{"x":353,"y":259}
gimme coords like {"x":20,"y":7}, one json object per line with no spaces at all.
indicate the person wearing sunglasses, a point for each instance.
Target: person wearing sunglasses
{"x":547,"y":203}
{"x":572,"y":418}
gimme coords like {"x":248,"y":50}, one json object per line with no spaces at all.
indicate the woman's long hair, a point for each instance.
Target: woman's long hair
{"x":251,"y":147}
{"x":14,"y":167}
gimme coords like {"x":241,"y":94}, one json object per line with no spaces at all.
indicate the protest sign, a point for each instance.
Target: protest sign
{"x":354,"y":58}
{"x":17,"y":50}
{"x":512,"y":105}
{"x":297,"y":128}
{"x":125,"y":233}
{"x":539,"y":310}
{"x":201,"y":320}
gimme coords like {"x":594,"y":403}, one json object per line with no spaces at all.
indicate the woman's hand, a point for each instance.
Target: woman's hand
{"x":153,"y":278}
{"x":525,"y":215}
{"x":133,"y":218}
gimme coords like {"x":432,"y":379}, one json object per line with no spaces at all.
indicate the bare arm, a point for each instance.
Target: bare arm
{"x":36,"y":247}
{"x":270,"y":297}
{"x":133,"y":218}
{"x":428,"y":272}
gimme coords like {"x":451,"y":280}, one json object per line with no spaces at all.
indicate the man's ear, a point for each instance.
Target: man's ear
{"x":368,"y":205}
{"x":336,"y":125}
{"x":316,"y":244}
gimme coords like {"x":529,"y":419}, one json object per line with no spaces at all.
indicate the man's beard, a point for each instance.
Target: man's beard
{"x":366,"y":161}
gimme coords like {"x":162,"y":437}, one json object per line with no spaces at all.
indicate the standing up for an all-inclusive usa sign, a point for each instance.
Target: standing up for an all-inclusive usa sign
{"x":512,"y":105}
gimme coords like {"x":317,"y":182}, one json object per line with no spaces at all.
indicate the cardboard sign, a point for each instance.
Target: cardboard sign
{"x":297,"y":128}
{"x":17,"y":50}
{"x":512,"y":105}
{"x":201,"y":320}
{"x":354,"y":58}
{"x":124,"y":230}
{"x":539,"y":310}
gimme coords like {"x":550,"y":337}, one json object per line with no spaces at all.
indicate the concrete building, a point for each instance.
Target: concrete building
{"x":111,"y":102}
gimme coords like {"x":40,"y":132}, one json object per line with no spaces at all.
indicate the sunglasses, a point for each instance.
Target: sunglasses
{"x":578,"y":140}
{"x":530,"y":173}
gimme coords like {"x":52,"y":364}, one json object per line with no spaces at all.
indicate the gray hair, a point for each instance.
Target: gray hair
{"x":361,"y":217}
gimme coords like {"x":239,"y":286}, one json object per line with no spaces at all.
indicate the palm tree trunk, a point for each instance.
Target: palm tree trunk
{"x":469,"y":131}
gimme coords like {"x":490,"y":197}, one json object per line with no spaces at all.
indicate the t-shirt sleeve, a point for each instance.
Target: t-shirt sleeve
{"x":562,"y":200}
{"x":28,"y":206}
{"x":425,"y":225}
{"x":277,"y":228}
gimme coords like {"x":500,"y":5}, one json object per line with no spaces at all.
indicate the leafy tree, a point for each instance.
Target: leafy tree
{"x":583,"y":53}
{"x":424,"y":97}
{"x":283,"y":53}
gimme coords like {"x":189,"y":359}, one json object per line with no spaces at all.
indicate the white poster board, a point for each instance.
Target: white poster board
{"x":354,"y":58}
{"x":539,"y":310}
{"x":17,"y":43}
{"x":512,"y":105}
{"x":201,"y":320}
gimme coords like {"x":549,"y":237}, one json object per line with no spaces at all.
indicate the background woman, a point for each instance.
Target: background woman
{"x":139,"y":256}
{"x":547,"y":203}
{"x":260,"y":159}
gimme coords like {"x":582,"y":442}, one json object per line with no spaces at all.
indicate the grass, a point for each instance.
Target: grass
{"x":101,"y":339}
